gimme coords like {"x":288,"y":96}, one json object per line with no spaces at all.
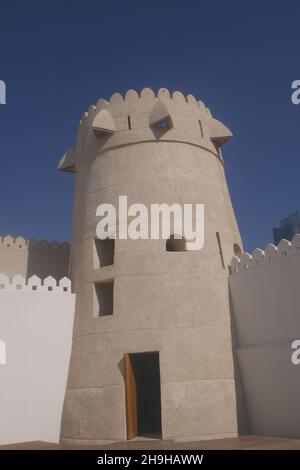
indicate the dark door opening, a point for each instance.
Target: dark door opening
{"x":143,"y":400}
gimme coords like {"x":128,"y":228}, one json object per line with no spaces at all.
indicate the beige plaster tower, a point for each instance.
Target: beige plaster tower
{"x":152,"y":348}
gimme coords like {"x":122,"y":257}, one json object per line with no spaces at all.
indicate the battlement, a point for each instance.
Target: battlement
{"x":34,"y":284}
{"x":271,"y":254}
{"x":21,"y":243}
{"x":145,"y":117}
{"x":146,"y":96}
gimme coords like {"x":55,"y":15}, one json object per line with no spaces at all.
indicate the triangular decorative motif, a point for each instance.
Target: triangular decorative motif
{"x":219,"y":133}
{"x":103,"y":124}
{"x":67,"y":162}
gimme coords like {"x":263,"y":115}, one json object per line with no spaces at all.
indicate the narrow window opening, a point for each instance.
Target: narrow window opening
{"x":201,"y":128}
{"x":65,"y":289}
{"x":104,"y":298}
{"x":34,"y":287}
{"x":129,"y":122}
{"x":50,"y":288}
{"x":175,"y":244}
{"x":220,"y":249}
{"x":105,"y":250}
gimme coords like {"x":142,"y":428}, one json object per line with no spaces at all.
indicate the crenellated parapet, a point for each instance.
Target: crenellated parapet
{"x":260,"y":257}
{"x":34,"y":284}
{"x":21,"y":243}
{"x":145,"y":117}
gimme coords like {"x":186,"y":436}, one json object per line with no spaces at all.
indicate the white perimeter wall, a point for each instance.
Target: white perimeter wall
{"x":265,"y":292}
{"x":36,"y":327}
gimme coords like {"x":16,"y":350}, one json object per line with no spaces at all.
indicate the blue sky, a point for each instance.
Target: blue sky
{"x":57,"y":58}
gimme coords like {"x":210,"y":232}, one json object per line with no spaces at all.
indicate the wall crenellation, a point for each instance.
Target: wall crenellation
{"x":39,"y":245}
{"x":261,"y":257}
{"x":34,"y":284}
{"x":133,"y":102}
{"x":137,"y":118}
{"x":146,"y":93}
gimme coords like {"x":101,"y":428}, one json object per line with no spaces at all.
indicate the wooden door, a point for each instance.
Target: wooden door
{"x":131,"y":398}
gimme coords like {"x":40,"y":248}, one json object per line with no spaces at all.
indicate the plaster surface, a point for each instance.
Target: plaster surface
{"x":176,"y":303}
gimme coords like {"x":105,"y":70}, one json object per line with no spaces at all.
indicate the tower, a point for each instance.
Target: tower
{"x":152,"y":350}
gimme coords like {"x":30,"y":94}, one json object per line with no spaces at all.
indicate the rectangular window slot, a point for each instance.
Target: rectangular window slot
{"x":220,"y":249}
{"x":129,"y":122}
{"x":105,"y":250}
{"x":104,"y":298}
{"x":201,"y":128}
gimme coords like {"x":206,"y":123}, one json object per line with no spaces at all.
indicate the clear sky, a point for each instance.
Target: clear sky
{"x":58,"y":57}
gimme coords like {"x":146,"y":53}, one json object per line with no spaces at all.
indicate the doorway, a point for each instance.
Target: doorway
{"x":143,"y":399}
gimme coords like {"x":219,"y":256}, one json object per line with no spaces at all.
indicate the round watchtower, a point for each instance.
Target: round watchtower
{"x":152,"y":350}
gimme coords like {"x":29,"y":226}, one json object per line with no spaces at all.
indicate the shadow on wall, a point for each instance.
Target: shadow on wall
{"x":46,"y":261}
{"x":243,"y":422}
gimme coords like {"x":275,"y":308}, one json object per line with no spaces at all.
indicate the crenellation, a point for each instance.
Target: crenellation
{"x":271,"y":252}
{"x":34,"y":284}
{"x":28,"y":257}
{"x":146,"y":94}
{"x":261,"y":257}
{"x":131,"y":95}
{"x":178,"y":96}
{"x":284,"y":247}
{"x":184,"y":111}
{"x":42,"y":245}
{"x":258,"y":257}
